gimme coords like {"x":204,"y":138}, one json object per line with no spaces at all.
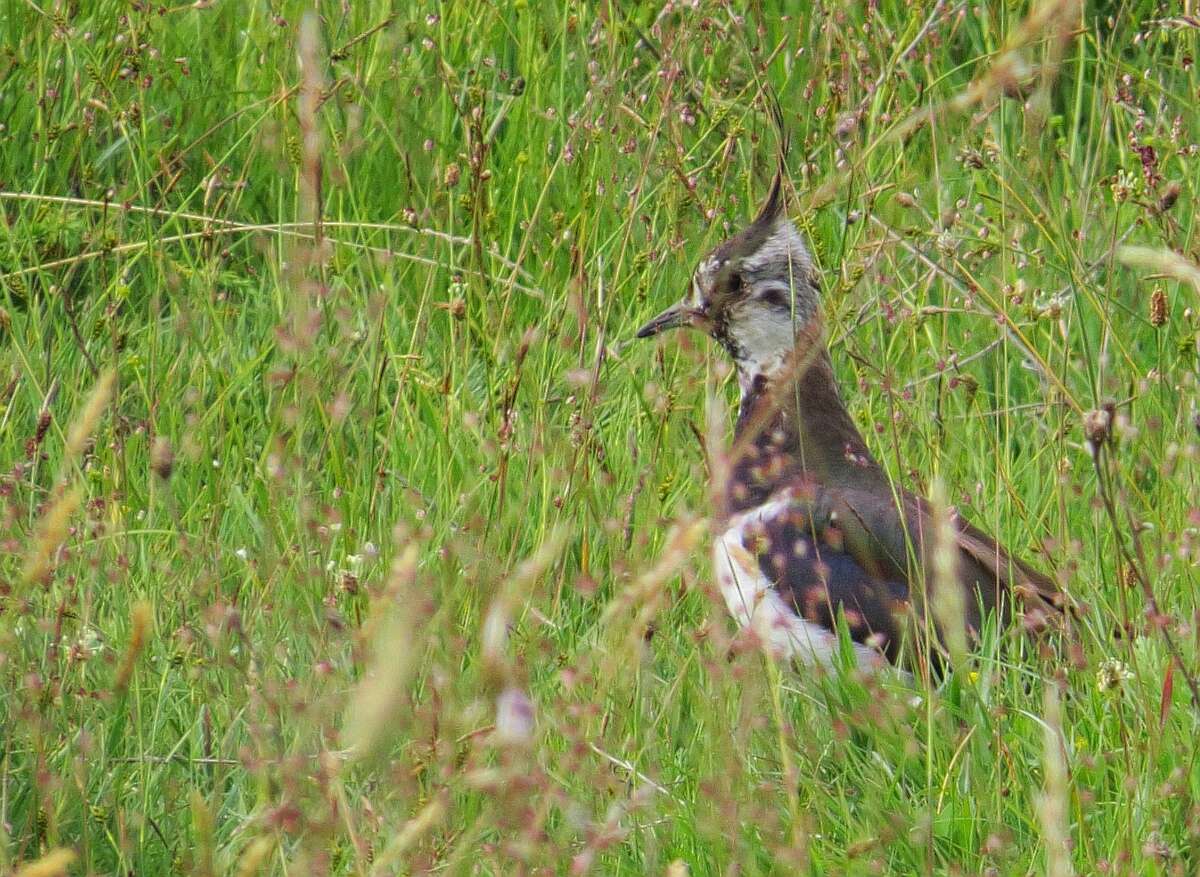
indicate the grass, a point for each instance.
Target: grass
{"x":322,"y":432}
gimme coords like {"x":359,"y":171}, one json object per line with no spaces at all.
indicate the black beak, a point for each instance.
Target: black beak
{"x":676,"y":315}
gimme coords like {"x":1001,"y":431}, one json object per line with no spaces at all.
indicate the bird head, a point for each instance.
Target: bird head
{"x":754,"y":293}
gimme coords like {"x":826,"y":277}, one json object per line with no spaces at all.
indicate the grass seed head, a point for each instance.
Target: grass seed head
{"x":85,"y":423}
{"x":55,"y":863}
{"x":1158,"y":308}
{"x":162,"y":458}
{"x":1097,"y":426}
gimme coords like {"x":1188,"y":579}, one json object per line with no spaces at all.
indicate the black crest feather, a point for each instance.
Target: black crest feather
{"x":772,"y":208}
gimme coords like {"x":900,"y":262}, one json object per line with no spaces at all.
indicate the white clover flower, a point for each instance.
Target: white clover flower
{"x":89,"y":642}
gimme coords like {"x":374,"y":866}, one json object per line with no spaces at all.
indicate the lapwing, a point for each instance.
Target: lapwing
{"x":808,"y":527}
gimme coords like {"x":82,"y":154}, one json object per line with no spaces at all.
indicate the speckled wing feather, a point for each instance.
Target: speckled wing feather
{"x":787,"y":570}
{"x":791,"y":565}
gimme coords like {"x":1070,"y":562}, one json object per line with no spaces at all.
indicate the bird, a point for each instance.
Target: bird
{"x":808,"y":527}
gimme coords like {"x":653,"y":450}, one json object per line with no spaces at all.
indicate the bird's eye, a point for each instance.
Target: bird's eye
{"x":776,"y":297}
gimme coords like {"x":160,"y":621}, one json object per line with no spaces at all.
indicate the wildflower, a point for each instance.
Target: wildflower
{"x":1122,"y":186}
{"x":1112,"y":675}
{"x":88,"y":643}
{"x":514,"y":717}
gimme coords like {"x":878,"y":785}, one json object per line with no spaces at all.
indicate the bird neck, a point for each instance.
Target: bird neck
{"x":792,"y":427}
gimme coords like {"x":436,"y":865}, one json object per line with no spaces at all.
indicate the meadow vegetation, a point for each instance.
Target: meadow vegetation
{"x":344,"y":528}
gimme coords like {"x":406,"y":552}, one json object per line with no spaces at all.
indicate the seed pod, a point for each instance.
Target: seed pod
{"x":162,"y":458}
{"x":1158,"y":308}
{"x":1168,"y":198}
{"x":1097,"y":426}
{"x":43,"y":425}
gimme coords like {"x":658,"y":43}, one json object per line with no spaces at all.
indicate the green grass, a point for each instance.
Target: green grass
{"x":424,"y":452}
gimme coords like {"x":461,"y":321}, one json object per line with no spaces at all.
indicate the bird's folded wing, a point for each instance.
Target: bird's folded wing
{"x":1035,"y":590}
{"x":891,"y":544}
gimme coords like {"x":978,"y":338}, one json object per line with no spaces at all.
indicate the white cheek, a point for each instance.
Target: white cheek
{"x":764,"y":337}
